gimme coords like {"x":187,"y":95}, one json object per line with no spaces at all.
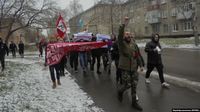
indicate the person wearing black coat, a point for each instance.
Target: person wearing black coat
{"x":63,"y":63}
{"x":96,"y":54}
{"x":74,"y":60}
{"x":21,"y":49}
{"x":3,"y":51}
{"x":153,"y":50}
{"x":13,"y":48}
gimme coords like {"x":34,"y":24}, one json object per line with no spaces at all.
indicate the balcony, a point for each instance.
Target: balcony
{"x":153,"y":17}
{"x":153,"y":20}
{"x":184,"y":15}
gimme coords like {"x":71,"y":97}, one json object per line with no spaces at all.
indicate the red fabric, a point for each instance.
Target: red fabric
{"x":61,"y":26}
{"x":137,"y":54}
{"x":55,"y":51}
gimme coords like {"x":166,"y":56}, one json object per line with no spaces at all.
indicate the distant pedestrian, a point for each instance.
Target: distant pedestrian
{"x":74,"y":60}
{"x":73,"y":57}
{"x":3,"y":51}
{"x":40,"y":47}
{"x":13,"y":48}
{"x":63,"y":63}
{"x":154,"y":50}
{"x":96,"y":56}
{"x":21,"y":49}
{"x":128,"y":64}
{"x":106,"y":55}
{"x":83,"y":59}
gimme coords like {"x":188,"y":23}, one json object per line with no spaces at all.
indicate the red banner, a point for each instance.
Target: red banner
{"x":55,"y":51}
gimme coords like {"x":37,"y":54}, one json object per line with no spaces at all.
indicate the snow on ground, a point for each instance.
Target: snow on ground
{"x":26,"y":86}
{"x":182,"y":46}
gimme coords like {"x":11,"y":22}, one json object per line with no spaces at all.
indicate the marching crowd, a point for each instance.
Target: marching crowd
{"x":122,"y":49}
{"x":126,"y":55}
{"x":4,"y":49}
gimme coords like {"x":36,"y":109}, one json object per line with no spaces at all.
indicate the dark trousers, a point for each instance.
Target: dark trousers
{"x":83,"y":60}
{"x":118,"y":72}
{"x":63,"y":65}
{"x":2,"y":59}
{"x":41,"y":51}
{"x":51,"y":69}
{"x":74,"y":60}
{"x":21,"y":52}
{"x":129,"y":80}
{"x":159,"y":68}
{"x":98,"y":62}
{"x":13,"y":53}
{"x":105,"y":60}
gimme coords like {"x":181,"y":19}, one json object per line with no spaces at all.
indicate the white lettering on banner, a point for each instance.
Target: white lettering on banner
{"x":56,"y":51}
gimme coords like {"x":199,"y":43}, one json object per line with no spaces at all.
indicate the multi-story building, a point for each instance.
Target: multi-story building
{"x":96,"y":19}
{"x":169,"y":18}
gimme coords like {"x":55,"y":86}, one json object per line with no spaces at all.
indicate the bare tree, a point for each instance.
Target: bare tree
{"x":75,"y":8}
{"x":185,"y":8}
{"x":23,"y":12}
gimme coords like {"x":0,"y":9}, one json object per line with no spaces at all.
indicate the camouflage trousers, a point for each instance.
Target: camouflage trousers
{"x":129,"y":80}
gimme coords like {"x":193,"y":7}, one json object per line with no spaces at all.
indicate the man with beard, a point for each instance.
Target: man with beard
{"x":3,"y":52}
{"x":128,"y":64}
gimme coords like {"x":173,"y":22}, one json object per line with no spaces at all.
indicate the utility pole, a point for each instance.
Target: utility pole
{"x":111,"y":16}
{"x":195,"y":23}
{"x":37,"y":38}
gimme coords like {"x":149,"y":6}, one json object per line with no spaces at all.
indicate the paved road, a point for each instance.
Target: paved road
{"x":153,"y":98}
{"x":184,"y":63}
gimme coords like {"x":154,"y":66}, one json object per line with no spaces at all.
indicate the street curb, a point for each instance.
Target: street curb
{"x":182,"y":82}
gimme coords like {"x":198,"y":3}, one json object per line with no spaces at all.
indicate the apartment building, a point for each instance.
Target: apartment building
{"x":169,"y":18}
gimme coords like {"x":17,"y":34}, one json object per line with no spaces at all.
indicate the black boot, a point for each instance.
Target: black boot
{"x":92,"y":68}
{"x":136,"y":106}
{"x":98,"y":72}
{"x":120,"y":96}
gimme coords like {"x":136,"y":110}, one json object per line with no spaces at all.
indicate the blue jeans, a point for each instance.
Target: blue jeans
{"x":83,"y":60}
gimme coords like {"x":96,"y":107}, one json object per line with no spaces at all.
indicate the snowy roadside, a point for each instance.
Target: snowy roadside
{"x":182,"y":43}
{"x":182,"y":46}
{"x":27,"y":88}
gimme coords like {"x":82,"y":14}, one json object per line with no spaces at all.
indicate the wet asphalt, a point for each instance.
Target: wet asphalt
{"x":183,"y":63}
{"x":152,"y":97}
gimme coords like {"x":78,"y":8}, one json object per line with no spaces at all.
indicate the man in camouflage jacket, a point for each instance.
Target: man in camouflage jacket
{"x":128,"y":63}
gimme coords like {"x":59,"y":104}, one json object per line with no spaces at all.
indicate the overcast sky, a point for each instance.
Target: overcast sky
{"x":85,"y":3}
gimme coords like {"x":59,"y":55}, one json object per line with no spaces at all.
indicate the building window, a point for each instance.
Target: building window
{"x":174,"y":12}
{"x":156,"y":28}
{"x":165,"y":28}
{"x":146,"y":30}
{"x":175,"y":28}
{"x":188,"y":26}
{"x":189,"y":6}
{"x":163,"y":14}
